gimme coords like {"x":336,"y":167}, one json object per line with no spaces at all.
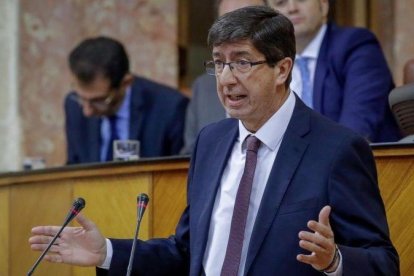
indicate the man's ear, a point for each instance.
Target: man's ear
{"x":324,"y":7}
{"x":283,"y":69}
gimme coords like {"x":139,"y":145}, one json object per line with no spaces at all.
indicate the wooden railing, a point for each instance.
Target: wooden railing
{"x":395,"y":166}
{"x":43,"y":197}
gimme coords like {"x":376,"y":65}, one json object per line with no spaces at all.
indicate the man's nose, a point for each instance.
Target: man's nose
{"x":227,"y":77}
{"x":292,"y":6}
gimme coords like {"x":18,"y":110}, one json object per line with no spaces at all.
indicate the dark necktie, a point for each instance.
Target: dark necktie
{"x":241,"y":207}
{"x":114,"y":136}
{"x":307,"y":94}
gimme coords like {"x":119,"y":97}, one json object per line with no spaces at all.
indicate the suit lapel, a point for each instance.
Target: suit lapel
{"x":221,"y":149}
{"x":321,"y":71}
{"x":287,"y":161}
{"x":136,"y":114}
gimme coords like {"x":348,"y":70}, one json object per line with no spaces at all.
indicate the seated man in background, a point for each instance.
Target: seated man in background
{"x":340,"y":72}
{"x":110,"y":103}
{"x":205,"y":107}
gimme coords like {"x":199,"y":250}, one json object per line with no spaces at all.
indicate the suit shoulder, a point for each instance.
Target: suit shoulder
{"x":218,"y":128}
{"x":333,"y":131}
{"x":69,"y":98}
{"x":157,"y":91}
{"x":348,"y":36}
{"x":71,"y":105}
{"x":155,"y":87}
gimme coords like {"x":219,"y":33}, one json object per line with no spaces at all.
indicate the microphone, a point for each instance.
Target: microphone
{"x":142,"y":202}
{"x":77,"y":206}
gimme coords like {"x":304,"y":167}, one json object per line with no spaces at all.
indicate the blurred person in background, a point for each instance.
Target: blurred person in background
{"x":340,"y":72}
{"x":110,"y":103}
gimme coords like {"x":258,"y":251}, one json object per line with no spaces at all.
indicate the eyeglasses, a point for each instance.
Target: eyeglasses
{"x":99,"y":103}
{"x":242,"y":66}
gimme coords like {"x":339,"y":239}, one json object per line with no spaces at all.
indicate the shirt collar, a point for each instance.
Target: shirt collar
{"x":312,"y":49}
{"x":271,"y":133}
{"x":123,"y":111}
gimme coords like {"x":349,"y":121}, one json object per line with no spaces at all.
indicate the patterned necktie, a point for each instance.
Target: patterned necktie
{"x":241,"y":207}
{"x":114,"y":136}
{"x":307,"y":93}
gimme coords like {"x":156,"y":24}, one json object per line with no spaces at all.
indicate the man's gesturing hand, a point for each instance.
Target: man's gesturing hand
{"x":320,"y":243}
{"x":83,"y":246}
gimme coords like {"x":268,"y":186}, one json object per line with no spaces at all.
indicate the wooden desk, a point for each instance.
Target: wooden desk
{"x":395,"y":166}
{"x":110,"y":190}
{"x":44,"y":197}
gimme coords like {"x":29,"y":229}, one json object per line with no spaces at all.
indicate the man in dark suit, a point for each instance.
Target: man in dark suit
{"x":110,"y":103}
{"x":348,"y":76}
{"x":277,"y":190}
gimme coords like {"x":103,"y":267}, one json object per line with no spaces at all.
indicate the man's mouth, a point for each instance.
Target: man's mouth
{"x":236,"y":97}
{"x":236,"y":101}
{"x":295,"y":20}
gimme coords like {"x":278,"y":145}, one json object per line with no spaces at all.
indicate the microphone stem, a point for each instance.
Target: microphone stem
{"x":47,"y":249}
{"x":131,"y":256}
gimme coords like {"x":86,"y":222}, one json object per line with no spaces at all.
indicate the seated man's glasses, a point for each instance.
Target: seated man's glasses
{"x":98,"y":103}
{"x":242,"y":66}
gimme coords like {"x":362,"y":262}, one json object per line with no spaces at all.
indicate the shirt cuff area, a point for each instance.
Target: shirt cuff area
{"x":338,"y":270}
{"x":109,"y":252}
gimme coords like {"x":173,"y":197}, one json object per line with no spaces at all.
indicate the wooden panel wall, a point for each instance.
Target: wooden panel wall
{"x":4,"y":232}
{"x":396,"y":178}
{"x":110,"y":192}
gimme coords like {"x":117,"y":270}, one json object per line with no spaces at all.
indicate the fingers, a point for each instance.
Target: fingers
{"x":324,"y":215}
{"x":314,"y":242}
{"x":54,"y":258}
{"x":320,"y":242}
{"x":323,"y":230}
{"x":307,"y":259}
{"x":42,"y":247}
{"x":40,"y":239}
{"x":45,"y":230}
{"x":41,"y":242}
{"x":322,"y":226}
{"x":85,"y":223}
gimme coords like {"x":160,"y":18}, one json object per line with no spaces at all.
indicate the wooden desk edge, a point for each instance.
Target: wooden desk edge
{"x":102,"y":169}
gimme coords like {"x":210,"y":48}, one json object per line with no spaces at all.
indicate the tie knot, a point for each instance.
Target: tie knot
{"x":302,"y":61}
{"x":253,"y":143}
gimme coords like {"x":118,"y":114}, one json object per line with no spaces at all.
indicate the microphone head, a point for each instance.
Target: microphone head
{"x":142,"y":202}
{"x":79,"y":204}
{"x":143,"y":198}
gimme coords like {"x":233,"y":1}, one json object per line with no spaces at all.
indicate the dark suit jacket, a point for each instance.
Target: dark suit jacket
{"x":352,"y":82}
{"x":318,"y":163}
{"x":157,"y":115}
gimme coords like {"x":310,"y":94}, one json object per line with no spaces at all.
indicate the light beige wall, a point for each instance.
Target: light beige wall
{"x":10,"y":134}
{"x":403,"y":43}
{"x":50,"y":29}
